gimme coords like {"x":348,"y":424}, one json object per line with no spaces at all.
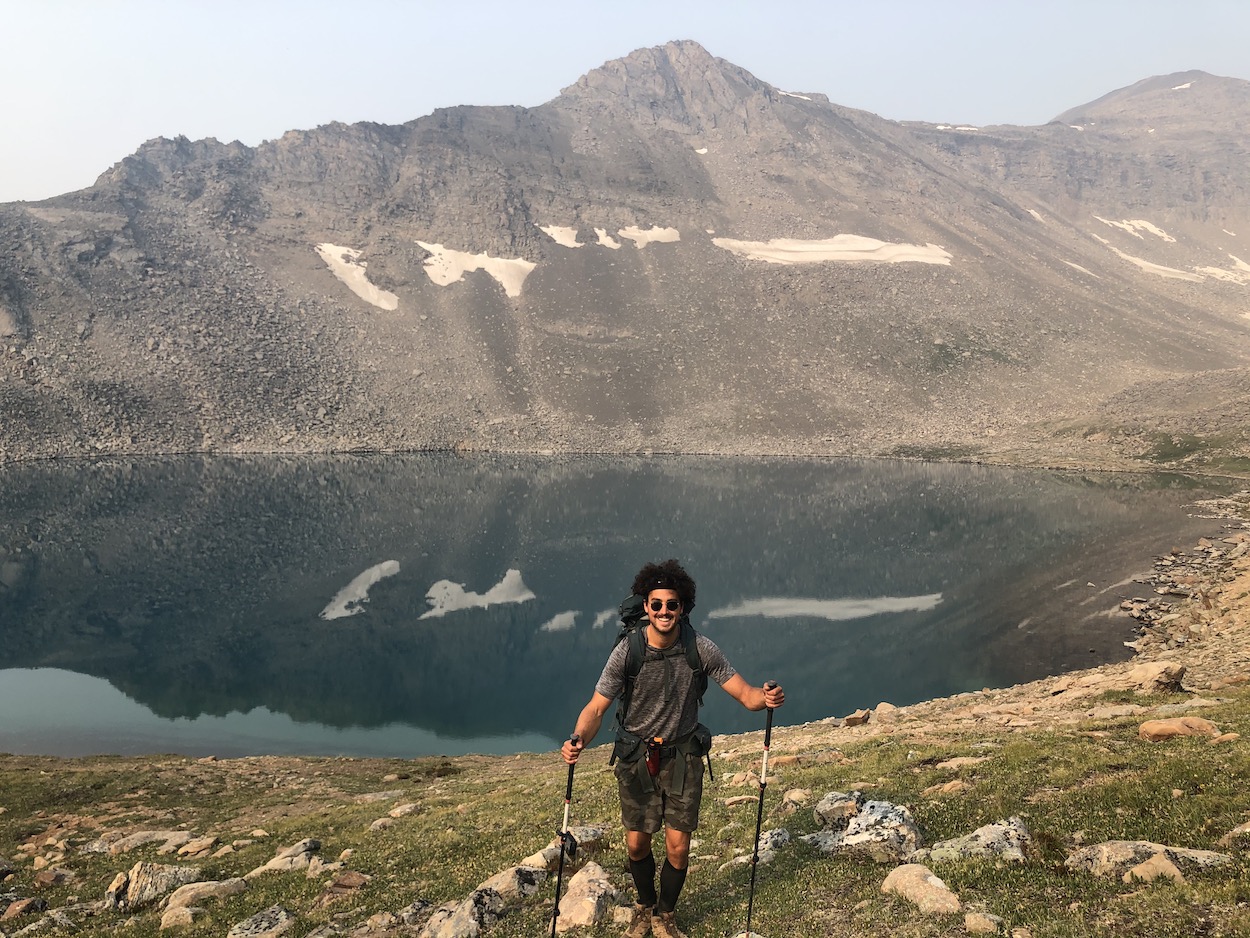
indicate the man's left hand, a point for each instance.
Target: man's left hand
{"x":774,"y":696}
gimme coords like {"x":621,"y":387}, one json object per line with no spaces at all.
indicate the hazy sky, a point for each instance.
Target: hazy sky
{"x":87,"y":81}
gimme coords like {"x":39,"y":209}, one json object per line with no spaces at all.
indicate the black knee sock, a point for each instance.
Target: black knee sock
{"x":671,"y":881}
{"x":643,"y":872}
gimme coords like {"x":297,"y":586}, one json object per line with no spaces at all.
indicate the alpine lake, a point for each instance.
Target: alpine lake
{"x":435,"y":604}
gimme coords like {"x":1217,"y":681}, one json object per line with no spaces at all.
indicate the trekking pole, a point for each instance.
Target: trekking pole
{"x":567,"y":841}
{"x":759,"y":811}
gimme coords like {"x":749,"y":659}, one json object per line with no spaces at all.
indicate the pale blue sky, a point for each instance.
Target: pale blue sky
{"x":87,"y":81}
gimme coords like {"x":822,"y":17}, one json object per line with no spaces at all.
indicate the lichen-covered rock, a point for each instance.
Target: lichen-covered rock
{"x":1115,"y":857}
{"x":1005,"y":840}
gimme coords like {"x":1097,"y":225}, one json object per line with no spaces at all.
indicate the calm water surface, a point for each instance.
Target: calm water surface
{"x":402,"y":606}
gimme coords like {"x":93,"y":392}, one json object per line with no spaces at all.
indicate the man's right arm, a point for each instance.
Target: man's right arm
{"x":588,"y":723}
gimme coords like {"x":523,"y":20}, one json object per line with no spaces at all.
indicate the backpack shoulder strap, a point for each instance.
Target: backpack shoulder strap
{"x":690,"y":640}
{"x":634,"y":655}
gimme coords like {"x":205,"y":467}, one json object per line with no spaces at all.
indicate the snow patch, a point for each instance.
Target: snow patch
{"x":446,"y":267}
{"x":701,"y":150}
{"x":1077,"y":127}
{"x":603,"y":618}
{"x":791,"y":94}
{"x":1188,"y":84}
{"x":565,"y":237}
{"x":350,"y":599}
{"x":446,"y":596}
{"x":1157,"y":269}
{"x":345,"y":264}
{"x":1240,"y":272}
{"x":606,"y":240}
{"x":843,"y":247}
{"x":1036,"y":214}
{"x":1135,"y":226}
{"x":1082,"y":270}
{"x":1219,"y":273}
{"x":834,"y":610}
{"x":561,"y":622}
{"x":642,"y":238}
{"x":1231,"y":234}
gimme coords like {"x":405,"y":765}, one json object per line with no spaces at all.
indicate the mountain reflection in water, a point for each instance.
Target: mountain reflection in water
{"x":410,"y":605}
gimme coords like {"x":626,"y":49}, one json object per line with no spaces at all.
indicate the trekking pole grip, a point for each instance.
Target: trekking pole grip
{"x":768,"y":721}
{"x":568,"y":792}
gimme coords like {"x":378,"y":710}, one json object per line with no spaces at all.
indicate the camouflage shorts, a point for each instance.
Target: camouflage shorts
{"x":645,"y":811}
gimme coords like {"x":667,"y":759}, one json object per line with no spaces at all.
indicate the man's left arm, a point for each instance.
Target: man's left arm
{"x":754,"y":698}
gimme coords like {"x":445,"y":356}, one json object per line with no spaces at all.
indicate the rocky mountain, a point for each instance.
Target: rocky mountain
{"x":670,"y":255}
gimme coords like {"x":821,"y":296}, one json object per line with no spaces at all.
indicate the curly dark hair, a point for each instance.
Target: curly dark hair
{"x":668,"y":575}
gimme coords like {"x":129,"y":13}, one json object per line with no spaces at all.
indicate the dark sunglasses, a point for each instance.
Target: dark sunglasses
{"x":672,"y":605}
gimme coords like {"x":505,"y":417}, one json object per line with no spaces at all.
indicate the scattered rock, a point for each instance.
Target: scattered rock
{"x":295,"y":857}
{"x":22,"y":907}
{"x":195,"y":893}
{"x":917,"y":884}
{"x":516,"y":883}
{"x":1115,"y":857}
{"x":588,"y":900}
{"x":982,"y":923}
{"x":1006,"y":840}
{"x":345,"y":884}
{"x":273,"y":921}
{"x":1157,"y":866}
{"x":880,"y":831}
{"x":1155,"y":731}
{"x":858,"y":718}
{"x":145,"y":883}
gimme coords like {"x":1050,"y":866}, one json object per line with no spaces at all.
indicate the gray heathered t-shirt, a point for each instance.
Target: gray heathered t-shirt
{"x":650,"y":713}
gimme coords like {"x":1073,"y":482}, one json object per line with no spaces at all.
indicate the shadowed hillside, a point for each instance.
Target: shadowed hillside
{"x":672,"y":255}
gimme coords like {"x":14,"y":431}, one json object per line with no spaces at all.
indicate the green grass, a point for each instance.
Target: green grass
{"x":1071,"y":785}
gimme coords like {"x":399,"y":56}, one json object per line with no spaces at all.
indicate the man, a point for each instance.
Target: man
{"x":663,"y":705}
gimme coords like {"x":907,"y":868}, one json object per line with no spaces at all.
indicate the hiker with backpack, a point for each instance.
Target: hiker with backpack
{"x":659,"y":669}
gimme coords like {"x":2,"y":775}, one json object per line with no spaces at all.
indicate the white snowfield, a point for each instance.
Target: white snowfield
{"x":791,"y":94}
{"x":350,"y":599}
{"x":701,"y":151}
{"x":446,"y":596}
{"x":642,"y":238}
{"x":1239,"y":273}
{"x":843,"y":247}
{"x":565,"y":237}
{"x":834,"y":610}
{"x":1188,"y":84}
{"x":344,"y":263}
{"x":1135,"y":226}
{"x":1082,"y":270}
{"x":1151,"y":268}
{"x":448,"y":266}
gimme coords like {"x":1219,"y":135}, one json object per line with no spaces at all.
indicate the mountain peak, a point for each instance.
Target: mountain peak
{"x":1176,"y":99}
{"x":679,"y":81}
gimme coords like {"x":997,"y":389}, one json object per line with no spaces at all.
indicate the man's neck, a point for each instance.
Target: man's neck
{"x":661,"y":642}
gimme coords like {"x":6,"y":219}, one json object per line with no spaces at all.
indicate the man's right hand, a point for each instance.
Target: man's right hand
{"x":572,"y":748}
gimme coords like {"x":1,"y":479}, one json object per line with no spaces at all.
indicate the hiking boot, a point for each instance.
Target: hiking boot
{"x":639,"y":923}
{"x":664,"y":925}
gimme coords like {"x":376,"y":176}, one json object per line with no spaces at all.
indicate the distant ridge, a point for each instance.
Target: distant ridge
{"x":670,"y":255}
